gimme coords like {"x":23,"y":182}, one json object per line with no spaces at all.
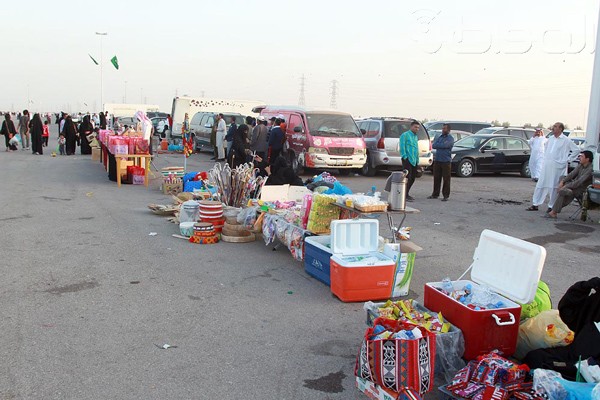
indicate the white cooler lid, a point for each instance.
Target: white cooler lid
{"x":509,"y":266}
{"x":354,"y":236}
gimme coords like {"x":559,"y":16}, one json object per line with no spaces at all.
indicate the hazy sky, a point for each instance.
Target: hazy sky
{"x":517,"y":61}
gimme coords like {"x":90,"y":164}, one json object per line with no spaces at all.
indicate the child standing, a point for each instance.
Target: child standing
{"x":61,"y":144}
{"x":45,"y":134}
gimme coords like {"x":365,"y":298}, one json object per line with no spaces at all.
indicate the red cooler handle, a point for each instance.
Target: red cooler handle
{"x":498,"y":317}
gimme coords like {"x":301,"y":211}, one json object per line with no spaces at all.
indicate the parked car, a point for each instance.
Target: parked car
{"x":202,"y":122}
{"x":160,"y":125}
{"x":525,"y":133}
{"x":490,"y":153}
{"x":129,"y":121}
{"x":319,"y":138}
{"x":465,"y":126}
{"x":382,"y":136}
{"x":154,"y":114}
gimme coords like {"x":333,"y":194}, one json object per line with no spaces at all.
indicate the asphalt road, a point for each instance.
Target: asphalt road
{"x":88,"y":296}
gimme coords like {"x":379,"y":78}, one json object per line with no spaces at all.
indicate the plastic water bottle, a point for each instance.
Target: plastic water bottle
{"x":447,"y":285}
{"x":372,"y":191}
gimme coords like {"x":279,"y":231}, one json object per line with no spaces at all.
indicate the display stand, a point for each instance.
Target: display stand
{"x":138,"y":160}
{"x":354,"y":213}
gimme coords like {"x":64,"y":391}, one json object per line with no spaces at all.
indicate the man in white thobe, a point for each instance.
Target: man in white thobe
{"x":559,"y":151}
{"x":221,"y":132}
{"x":536,"y":159}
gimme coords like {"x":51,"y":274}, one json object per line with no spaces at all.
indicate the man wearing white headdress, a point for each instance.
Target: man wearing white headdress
{"x":536,"y":159}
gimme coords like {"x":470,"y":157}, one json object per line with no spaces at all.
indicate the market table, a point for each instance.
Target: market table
{"x":389,"y":214}
{"x":137,"y":161}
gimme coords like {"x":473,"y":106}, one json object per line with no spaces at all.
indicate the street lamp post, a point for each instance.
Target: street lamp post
{"x":101,"y":34}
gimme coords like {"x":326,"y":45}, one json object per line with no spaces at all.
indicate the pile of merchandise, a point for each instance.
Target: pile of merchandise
{"x":475,"y":297}
{"x":407,"y":311}
{"x":492,"y":376}
{"x":235,"y":187}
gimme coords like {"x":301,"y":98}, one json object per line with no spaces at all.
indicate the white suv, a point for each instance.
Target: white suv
{"x":382,"y":136}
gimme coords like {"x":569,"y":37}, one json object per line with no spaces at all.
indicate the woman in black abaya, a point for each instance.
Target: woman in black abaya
{"x":70,"y":133}
{"x":37,"y":129}
{"x":85,"y":129}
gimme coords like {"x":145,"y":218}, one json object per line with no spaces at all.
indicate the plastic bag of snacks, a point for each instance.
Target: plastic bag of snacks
{"x":268,"y":229}
{"x":323,"y":210}
{"x":296,"y":245}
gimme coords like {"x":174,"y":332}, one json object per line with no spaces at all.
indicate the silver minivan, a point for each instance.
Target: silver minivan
{"x":382,"y":137}
{"x":202,"y":122}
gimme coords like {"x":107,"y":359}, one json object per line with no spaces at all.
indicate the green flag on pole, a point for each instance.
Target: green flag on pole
{"x":95,"y":62}
{"x":115,"y":62}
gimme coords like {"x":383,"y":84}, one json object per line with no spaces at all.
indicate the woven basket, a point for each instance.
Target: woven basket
{"x":250,"y":237}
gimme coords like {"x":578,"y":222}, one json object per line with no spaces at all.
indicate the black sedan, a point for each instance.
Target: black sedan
{"x":490,"y":153}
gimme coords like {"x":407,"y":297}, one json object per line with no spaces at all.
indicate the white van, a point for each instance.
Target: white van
{"x":194,"y":105}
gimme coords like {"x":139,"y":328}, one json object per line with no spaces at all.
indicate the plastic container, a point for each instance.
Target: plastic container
{"x":186,"y":228}
{"x":317,"y":254}
{"x":511,"y":268}
{"x":358,"y":272}
{"x":189,"y":211}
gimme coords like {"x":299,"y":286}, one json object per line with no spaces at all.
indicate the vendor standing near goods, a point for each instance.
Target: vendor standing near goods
{"x":442,"y":163}
{"x":559,"y":151}
{"x":409,"y":151}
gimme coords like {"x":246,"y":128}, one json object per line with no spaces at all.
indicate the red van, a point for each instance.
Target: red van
{"x":320,"y":139}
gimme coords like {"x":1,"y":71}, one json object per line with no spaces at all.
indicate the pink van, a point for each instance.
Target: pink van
{"x":320,"y":139}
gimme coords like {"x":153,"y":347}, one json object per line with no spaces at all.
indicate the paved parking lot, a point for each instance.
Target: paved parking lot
{"x":87,"y":294}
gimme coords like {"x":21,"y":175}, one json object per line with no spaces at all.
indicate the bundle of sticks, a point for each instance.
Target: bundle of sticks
{"x":235,"y":187}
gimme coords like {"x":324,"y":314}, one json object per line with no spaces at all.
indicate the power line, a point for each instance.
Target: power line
{"x":301,"y":98}
{"x":333,"y":101}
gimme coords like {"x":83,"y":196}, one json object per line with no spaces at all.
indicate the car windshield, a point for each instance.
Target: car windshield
{"x":470,"y":142}
{"x":341,"y":125}
{"x":488,"y":130}
{"x":393,"y":129}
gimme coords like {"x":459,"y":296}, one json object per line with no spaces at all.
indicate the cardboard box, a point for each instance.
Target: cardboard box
{"x":123,"y":172}
{"x":172,"y":188}
{"x":403,"y":254}
{"x":95,"y":153}
{"x":283,"y":193}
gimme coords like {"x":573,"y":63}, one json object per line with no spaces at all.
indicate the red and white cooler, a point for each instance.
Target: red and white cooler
{"x":358,"y":271}
{"x":511,"y":268}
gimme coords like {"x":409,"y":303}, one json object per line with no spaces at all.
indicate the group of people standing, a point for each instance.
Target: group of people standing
{"x":33,"y":132}
{"x":237,"y":143}
{"x":548,"y":165}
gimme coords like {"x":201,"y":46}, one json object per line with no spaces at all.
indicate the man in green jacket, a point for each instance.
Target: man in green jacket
{"x":409,"y":151}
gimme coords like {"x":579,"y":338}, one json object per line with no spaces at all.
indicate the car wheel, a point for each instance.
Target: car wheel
{"x":466,"y":168}
{"x":525,"y":171}
{"x":368,"y":169}
{"x":344,"y":172}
